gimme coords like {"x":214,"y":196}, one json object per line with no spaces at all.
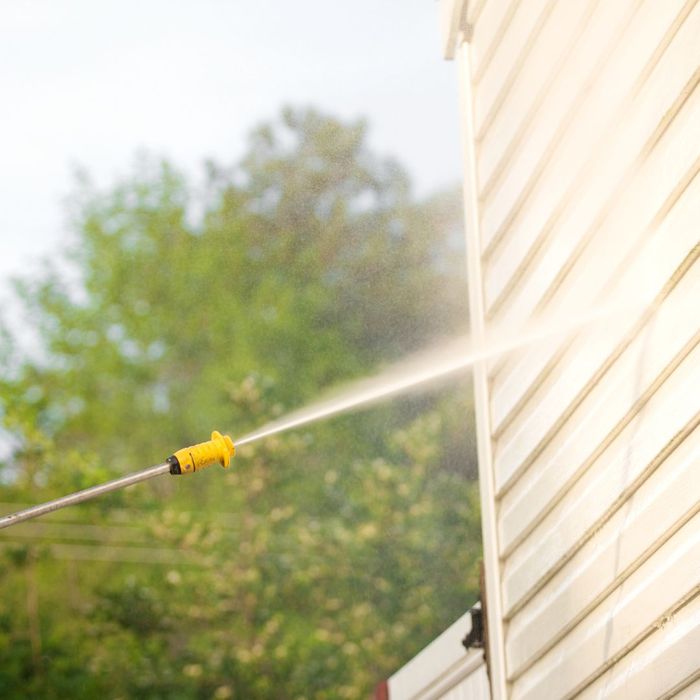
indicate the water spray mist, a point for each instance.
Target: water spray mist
{"x":417,"y":372}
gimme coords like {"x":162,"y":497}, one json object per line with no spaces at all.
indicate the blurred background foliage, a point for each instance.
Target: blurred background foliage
{"x":326,"y":557}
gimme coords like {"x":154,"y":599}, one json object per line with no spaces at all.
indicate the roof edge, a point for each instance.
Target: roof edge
{"x":453,"y":25}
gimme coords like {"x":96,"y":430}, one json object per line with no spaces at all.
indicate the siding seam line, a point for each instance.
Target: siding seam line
{"x":681,"y":686}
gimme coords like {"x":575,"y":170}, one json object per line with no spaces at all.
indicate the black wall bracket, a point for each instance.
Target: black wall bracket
{"x":475,"y":637}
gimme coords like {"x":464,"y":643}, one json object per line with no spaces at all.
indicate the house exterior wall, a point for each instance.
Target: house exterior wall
{"x":581,"y":123}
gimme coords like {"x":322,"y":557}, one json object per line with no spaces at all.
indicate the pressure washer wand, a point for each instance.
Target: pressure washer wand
{"x":188,"y":460}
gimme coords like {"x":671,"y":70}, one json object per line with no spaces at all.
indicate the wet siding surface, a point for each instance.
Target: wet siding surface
{"x":584,"y":137}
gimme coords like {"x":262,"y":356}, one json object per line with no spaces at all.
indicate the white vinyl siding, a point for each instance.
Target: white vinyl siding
{"x":582,"y":188}
{"x":444,"y":670}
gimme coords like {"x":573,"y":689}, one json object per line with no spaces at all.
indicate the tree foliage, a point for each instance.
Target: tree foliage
{"x":326,"y":557}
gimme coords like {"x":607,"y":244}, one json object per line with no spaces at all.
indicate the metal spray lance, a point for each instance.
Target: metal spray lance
{"x":188,"y":460}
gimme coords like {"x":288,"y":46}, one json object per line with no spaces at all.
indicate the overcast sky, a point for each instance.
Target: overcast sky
{"x":88,"y":83}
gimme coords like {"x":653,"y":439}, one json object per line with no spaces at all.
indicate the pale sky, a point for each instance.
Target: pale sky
{"x":89,"y":83}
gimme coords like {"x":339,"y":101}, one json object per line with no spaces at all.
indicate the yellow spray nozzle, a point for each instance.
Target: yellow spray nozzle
{"x":218,"y":450}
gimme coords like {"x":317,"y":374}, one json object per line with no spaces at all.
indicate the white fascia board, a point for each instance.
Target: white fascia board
{"x":439,"y":661}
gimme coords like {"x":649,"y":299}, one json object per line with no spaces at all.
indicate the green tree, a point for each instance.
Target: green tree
{"x":325,"y":557}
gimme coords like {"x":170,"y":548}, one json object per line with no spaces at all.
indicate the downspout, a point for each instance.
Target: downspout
{"x":495,"y":636}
